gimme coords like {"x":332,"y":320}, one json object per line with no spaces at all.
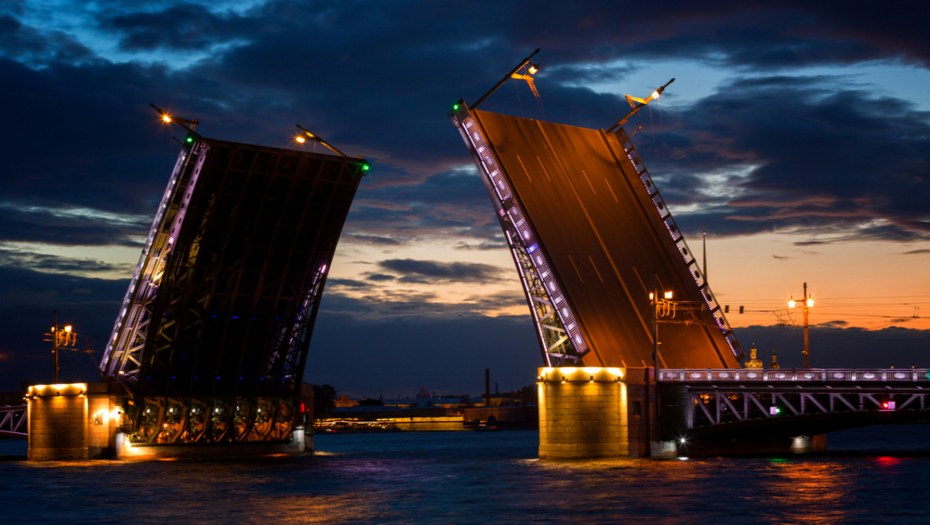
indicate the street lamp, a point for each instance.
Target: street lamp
{"x":60,"y":337}
{"x":643,"y":102}
{"x":316,"y":138}
{"x":666,"y":306}
{"x":168,"y":119}
{"x":808,"y":302}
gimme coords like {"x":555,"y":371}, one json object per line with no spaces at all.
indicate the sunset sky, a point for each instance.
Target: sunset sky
{"x":798,"y":132}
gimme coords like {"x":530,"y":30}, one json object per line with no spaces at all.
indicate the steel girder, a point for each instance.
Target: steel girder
{"x":13,"y":421}
{"x":214,"y":420}
{"x":560,"y":339}
{"x":725,"y":406}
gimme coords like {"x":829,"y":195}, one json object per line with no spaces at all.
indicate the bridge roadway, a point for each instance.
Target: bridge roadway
{"x":604,"y":229}
{"x":752,"y":404}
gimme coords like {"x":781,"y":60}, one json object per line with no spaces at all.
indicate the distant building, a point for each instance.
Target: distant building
{"x":345,"y":401}
{"x":753,"y":362}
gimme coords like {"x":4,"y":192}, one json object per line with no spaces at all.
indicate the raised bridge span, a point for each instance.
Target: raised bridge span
{"x":587,"y":228}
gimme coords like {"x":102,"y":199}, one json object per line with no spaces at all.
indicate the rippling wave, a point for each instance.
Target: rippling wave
{"x":870,"y":475}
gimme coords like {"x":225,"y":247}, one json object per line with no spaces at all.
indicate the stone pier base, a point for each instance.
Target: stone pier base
{"x":592,"y":412}
{"x":73,"y":421}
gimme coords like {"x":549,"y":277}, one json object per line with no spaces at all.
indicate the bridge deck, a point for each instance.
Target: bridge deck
{"x":730,"y":403}
{"x":598,"y":226}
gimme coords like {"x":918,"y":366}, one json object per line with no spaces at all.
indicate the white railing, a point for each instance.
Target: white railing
{"x":827,"y":375}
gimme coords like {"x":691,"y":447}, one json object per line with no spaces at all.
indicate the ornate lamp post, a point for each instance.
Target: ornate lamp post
{"x":60,"y":337}
{"x":808,"y":303}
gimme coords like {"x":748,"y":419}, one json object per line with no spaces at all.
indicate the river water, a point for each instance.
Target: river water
{"x":871,"y":475}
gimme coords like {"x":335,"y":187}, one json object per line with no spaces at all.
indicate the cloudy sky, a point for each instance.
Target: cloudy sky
{"x":799,"y":132}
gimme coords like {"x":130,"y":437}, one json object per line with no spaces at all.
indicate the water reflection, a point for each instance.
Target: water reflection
{"x":467,"y":478}
{"x":812,"y":491}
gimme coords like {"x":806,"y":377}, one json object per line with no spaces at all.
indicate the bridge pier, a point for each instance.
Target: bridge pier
{"x":594,"y":412}
{"x":85,"y":421}
{"x":73,"y":421}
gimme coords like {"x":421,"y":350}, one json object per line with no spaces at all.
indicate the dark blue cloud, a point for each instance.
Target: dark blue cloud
{"x":183,"y":26}
{"x":823,"y":161}
{"x":436,"y":271}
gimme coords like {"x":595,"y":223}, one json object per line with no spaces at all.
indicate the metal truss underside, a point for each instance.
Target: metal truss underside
{"x":679,"y":239}
{"x":723,"y":396}
{"x":557,"y":330}
{"x":227,"y":290}
{"x":726,"y":406}
{"x":122,"y":359}
{"x":13,"y":421}
{"x":214,"y":420}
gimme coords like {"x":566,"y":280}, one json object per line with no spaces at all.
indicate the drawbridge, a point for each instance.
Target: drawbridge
{"x":588,"y":229}
{"x":212,"y":336}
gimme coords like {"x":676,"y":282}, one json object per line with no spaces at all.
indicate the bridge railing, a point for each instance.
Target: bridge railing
{"x":693,"y":375}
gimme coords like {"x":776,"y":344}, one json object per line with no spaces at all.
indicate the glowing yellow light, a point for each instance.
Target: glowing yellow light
{"x":655,"y":94}
{"x":791,"y":303}
{"x":650,"y":296}
{"x":615,"y":371}
{"x":300,"y":139}
{"x":532,"y":69}
{"x":68,"y":328}
{"x":546,"y":371}
{"x":810,"y":302}
{"x":166,"y":118}
{"x":590,"y":370}
{"x":668,"y":295}
{"x":568,"y":370}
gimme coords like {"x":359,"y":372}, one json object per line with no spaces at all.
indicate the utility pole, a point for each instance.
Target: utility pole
{"x":808,"y":303}
{"x":60,"y":337}
{"x":704,"y":249}
{"x":655,"y":326}
{"x":653,"y":411}
{"x":55,"y":350}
